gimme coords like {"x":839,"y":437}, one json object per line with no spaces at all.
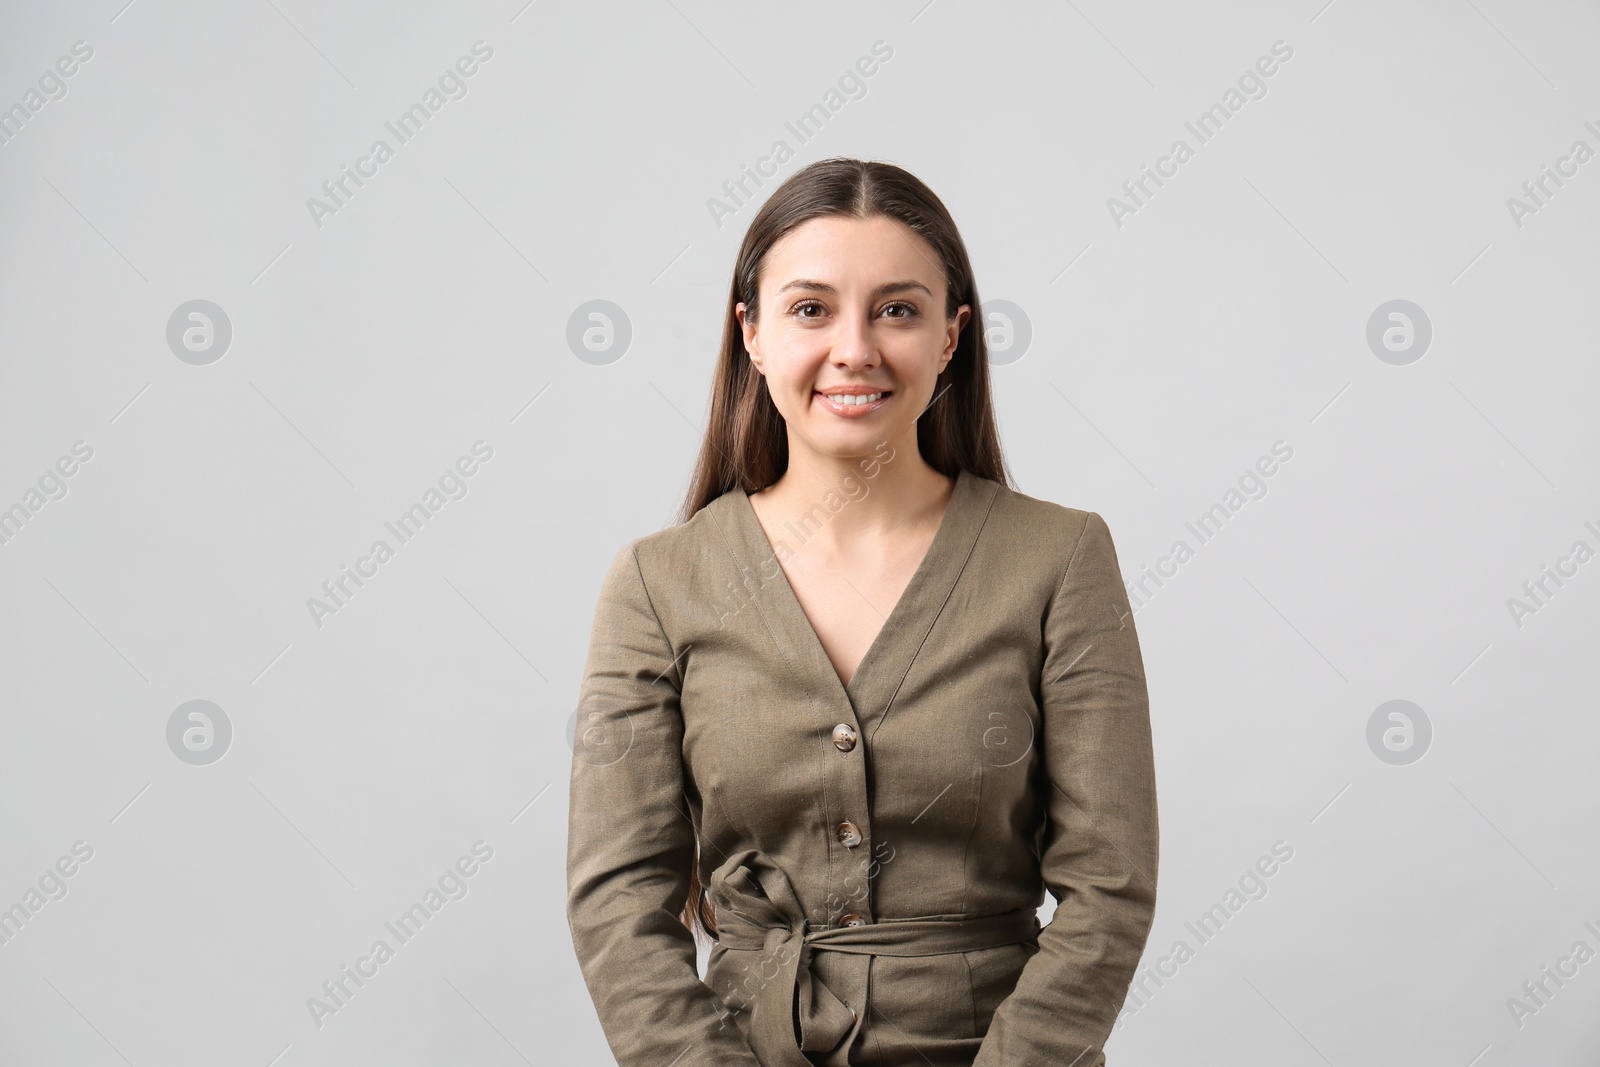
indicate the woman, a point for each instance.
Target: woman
{"x":866,"y":702}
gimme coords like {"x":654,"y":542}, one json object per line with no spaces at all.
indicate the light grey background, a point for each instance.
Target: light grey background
{"x":431,"y":311}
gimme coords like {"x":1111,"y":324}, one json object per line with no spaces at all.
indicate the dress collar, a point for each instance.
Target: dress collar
{"x":765,"y":587}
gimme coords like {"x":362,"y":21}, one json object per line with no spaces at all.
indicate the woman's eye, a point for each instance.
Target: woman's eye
{"x":909,"y":310}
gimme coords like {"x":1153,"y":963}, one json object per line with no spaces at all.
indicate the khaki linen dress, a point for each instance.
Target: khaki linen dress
{"x":876,"y":853}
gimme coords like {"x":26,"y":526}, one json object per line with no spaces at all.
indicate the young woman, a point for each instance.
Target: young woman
{"x":866,"y":702}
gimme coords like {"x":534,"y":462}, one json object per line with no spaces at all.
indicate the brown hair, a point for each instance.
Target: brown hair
{"x":746,"y":444}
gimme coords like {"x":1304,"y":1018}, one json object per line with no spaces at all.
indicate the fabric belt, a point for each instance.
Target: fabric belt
{"x":757,"y":910}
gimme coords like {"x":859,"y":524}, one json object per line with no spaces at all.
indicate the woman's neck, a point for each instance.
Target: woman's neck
{"x":852,"y":498}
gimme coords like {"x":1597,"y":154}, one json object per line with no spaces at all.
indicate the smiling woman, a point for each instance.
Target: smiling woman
{"x":861,"y":784}
{"x":866,"y":245}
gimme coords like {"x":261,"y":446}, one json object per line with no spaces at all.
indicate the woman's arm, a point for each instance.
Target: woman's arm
{"x":1100,"y":841}
{"x":630,"y":844}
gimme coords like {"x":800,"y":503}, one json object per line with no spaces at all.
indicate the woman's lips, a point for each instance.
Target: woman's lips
{"x":850,"y":411}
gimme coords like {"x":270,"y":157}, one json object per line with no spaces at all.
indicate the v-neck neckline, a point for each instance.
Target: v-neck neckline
{"x":897,"y":638}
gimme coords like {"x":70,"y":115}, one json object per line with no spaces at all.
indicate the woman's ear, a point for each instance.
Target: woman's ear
{"x":752,"y":350}
{"x":957,"y":324}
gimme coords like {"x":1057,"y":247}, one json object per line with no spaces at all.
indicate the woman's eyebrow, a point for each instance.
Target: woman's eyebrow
{"x":824,"y":287}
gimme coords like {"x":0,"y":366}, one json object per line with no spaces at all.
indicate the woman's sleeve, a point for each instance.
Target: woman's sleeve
{"x":1099,"y":849}
{"x":630,"y":845}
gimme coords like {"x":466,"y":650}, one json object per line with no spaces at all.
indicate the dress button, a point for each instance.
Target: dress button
{"x":849,"y":834}
{"x":844,"y":737}
{"x":852,"y":920}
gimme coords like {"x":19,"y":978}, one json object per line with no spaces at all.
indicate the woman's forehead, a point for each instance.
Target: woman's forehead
{"x":869,"y":255}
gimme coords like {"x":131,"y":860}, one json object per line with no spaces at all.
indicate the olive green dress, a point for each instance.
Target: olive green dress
{"x":876,"y":853}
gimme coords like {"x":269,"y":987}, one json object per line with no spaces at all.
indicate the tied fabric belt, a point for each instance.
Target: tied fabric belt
{"x":757,"y":910}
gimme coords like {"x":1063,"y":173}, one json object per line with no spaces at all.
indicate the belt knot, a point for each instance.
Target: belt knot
{"x":757,"y":910}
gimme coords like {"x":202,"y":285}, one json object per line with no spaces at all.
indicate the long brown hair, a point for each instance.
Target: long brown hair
{"x":746,"y":443}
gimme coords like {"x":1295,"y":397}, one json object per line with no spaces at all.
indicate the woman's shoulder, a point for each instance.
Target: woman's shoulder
{"x":1042,"y":538}
{"x":1046,"y":520}
{"x":682,"y":549}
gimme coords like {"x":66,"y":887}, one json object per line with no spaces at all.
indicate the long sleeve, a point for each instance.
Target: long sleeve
{"x":630,"y":844}
{"x":1100,"y":842}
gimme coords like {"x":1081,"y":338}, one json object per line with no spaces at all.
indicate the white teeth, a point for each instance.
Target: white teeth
{"x":844,"y":398}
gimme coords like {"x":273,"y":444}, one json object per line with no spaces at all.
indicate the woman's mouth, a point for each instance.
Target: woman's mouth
{"x":852,"y":405}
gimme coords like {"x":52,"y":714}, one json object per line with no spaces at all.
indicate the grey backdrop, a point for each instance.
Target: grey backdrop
{"x":1351,"y":326}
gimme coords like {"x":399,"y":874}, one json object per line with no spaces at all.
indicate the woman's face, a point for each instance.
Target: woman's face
{"x":851,"y":307}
